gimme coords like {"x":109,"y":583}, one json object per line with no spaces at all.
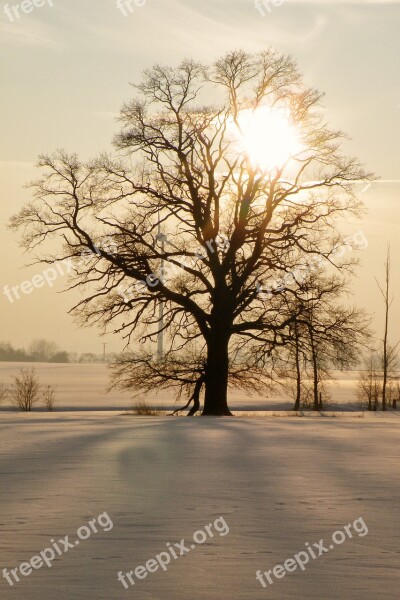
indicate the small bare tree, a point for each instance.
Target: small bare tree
{"x":25,"y":390}
{"x":324,"y":333}
{"x":389,"y":362}
{"x":48,"y":397}
{"x":370,"y":384}
{"x":389,"y":352}
{"x":390,"y":392}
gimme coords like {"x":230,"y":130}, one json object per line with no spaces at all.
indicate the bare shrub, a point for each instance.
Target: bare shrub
{"x":25,"y":390}
{"x":370,"y":384}
{"x":142,"y":409}
{"x":300,"y":392}
{"x":396,"y":396}
{"x":303,"y":392}
{"x":307,"y":399}
{"x":3,"y":392}
{"x":48,"y":397}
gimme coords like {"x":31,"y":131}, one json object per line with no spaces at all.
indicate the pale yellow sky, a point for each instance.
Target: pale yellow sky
{"x":65,"y":72}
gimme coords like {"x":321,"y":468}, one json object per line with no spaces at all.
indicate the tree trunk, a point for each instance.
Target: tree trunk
{"x":196,"y":397}
{"x":386,"y":296}
{"x":298,"y":372}
{"x":376,"y":400}
{"x":216,"y":376}
{"x":315,"y":369}
{"x":385,"y":368}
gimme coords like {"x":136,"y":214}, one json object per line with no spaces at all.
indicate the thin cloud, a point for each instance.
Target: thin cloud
{"x":6,"y":164}
{"x":30,"y":33}
{"x":104,"y":114}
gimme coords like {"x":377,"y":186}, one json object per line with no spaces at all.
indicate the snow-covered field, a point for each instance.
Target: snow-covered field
{"x":83,"y":387}
{"x":278,"y":483}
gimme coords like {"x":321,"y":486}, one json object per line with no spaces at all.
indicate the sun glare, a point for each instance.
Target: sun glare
{"x":267,"y":137}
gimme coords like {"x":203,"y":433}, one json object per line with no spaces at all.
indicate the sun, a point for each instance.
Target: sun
{"x":267,"y":136}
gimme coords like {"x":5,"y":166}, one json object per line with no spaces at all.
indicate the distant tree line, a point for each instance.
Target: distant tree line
{"x":42,"y":350}
{"x":38,"y":351}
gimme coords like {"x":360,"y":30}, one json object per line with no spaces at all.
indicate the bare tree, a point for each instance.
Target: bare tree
{"x":25,"y":390}
{"x":336,"y":340}
{"x":235,"y":214}
{"x":296,"y":356}
{"x":87,"y":357}
{"x":42,"y":350}
{"x":49,"y":397}
{"x":389,"y":363}
{"x":388,"y":353}
{"x":325,"y":333}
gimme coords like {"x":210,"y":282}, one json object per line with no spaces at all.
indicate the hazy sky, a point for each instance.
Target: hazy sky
{"x":65,"y":72}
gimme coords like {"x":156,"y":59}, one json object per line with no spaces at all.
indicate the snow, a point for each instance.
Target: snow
{"x":277,"y":482}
